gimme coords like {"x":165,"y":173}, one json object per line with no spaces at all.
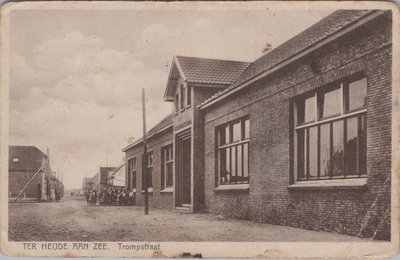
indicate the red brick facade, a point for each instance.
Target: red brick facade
{"x":157,"y":197}
{"x":270,"y":198}
{"x":272,"y":194}
{"x":18,"y":180}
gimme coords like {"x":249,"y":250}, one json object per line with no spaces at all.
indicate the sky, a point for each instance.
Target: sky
{"x":76,"y":76}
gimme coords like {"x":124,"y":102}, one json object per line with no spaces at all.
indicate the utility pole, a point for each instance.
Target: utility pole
{"x":144,"y":170}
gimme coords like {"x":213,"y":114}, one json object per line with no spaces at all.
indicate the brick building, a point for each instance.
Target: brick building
{"x":99,"y":180}
{"x":85,"y":185}
{"x":159,"y":142}
{"x":299,"y":137}
{"x":23,"y":163}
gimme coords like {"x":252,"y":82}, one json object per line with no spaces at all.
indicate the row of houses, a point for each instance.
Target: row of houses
{"x":104,"y":178}
{"x":29,"y":172}
{"x":299,"y":137}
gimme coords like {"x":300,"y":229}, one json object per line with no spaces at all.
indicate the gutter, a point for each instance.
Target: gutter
{"x":293,"y":58}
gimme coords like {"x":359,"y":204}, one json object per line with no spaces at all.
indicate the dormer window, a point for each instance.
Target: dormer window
{"x":15,"y":159}
{"x":188,"y":96}
{"x":182,"y":92}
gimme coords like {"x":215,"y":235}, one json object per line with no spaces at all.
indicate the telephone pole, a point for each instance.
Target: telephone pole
{"x":144,"y":170}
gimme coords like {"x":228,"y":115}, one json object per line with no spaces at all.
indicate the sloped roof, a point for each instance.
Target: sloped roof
{"x":30,"y":158}
{"x":118,"y":176}
{"x":212,"y":71}
{"x":116,"y":170}
{"x":331,"y":24}
{"x":194,"y":70}
{"x":159,"y":127}
{"x":104,"y":173}
{"x":163,"y":123}
{"x":95,"y":179}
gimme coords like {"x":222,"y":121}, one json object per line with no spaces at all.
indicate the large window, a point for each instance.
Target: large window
{"x":331,"y":131}
{"x":167,"y":160}
{"x":132,"y":174}
{"x":149,"y":171}
{"x":233,"y":152}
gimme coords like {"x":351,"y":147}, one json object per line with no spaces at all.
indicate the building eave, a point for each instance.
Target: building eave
{"x":148,"y":137}
{"x":171,"y":81}
{"x":207,"y":84}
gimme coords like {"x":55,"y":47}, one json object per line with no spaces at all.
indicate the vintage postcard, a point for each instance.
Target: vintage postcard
{"x":200,"y":129}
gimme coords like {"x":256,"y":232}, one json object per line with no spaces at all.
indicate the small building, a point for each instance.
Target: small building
{"x":299,"y":137}
{"x":94,"y":183}
{"x":73,"y":192}
{"x":23,"y":163}
{"x":116,"y":178}
{"x":99,"y":181}
{"x":85,"y":185}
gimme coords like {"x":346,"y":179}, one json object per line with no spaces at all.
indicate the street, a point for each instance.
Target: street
{"x":72,"y":220}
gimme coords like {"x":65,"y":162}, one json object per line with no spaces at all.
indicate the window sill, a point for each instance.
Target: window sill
{"x":167,"y":190}
{"x":357,"y":183}
{"x":149,"y":190}
{"x":233,"y":187}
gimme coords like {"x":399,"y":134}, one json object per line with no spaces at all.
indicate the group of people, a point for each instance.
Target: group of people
{"x":91,"y":198}
{"x":111,"y":196}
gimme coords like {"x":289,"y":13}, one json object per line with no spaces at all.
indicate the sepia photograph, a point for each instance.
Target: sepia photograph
{"x":141,"y":128}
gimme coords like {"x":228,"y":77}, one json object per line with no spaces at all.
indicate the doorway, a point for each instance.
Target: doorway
{"x":183,"y":196}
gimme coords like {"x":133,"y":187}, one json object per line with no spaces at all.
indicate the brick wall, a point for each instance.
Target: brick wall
{"x":199,"y":95}
{"x":18,"y":180}
{"x":155,"y":143}
{"x":267,"y":102}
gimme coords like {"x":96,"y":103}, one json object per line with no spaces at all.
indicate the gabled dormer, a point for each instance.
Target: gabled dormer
{"x":190,"y":76}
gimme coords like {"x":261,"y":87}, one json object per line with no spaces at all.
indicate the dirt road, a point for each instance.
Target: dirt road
{"x":72,"y":220}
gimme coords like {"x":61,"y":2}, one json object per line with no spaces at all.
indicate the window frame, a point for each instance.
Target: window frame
{"x":229,"y":145}
{"x":301,"y":167}
{"x":164,"y":164}
{"x":188,"y":96}
{"x":132,"y":174}
{"x":182,"y":97}
{"x":149,"y":161}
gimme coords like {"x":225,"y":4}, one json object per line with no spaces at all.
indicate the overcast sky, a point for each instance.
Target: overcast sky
{"x":76,"y":75}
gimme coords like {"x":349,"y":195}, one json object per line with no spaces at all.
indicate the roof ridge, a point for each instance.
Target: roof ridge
{"x":345,"y":18}
{"x":195,"y":57}
{"x":313,"y":26}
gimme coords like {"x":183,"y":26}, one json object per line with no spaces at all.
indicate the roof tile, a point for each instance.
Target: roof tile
{"x":210,"y":71}
{"x":314,"y":34}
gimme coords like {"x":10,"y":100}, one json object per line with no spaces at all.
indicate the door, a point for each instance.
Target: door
{"x":183,"y":170}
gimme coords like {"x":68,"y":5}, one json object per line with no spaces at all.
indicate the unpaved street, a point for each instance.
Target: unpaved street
{"x":72,"y":220}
